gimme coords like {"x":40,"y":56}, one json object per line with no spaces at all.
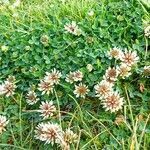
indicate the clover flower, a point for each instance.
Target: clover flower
{"x":111,"y":75}
{"x":147,"y":31}
{"x":47,"y":109}
{"x":73,"y":28}
{"x":103,"y":89}
{"x":124,"y":70}
{"x":45,"y":87}
{"x":9,"y":88}
{"x":115,"y":53}
{"x":129,"y":58}
{"x":91,"y":13}
{"x":1,"y":89}
{"x":70,"y":77}
{"x":81,"y":90}
{"x":146,"y":70}
{"x":89,"y":67}
{"x":49,"y":133}
{"x":53,"y":77}
{"x":3,"y":123}
{"x":31,"y":98}
{"x":68,"y":137}
{"x":113,"y":102}
{"x":44,"y":40}
{"x":78,"y":75}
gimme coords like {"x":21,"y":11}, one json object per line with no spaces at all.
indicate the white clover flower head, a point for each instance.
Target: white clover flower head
{"x":111,"y":75}
{"x":73,"y":28}
{"x":146,"y":70}
{"x":129,"y":57}
{"x":3,"y":123}
{"x":78,"y":76}
{"x":69,"y":136}
{"x":31,"y":97}
{"x":81,"y":90}
{"x":91,"y":13}
{"x":147,"y":31}
{"x":70,"y":77}
{"x":115,"y":53}
{"x":103,"y":89}
{"x":9,"y":88}
{"x":113,"y":102}
{"x":49,"y":133}
{"x":89,"y":67}
{"x":53,"y":77}
{"x":45,"y":87}
{"x":47,"y":109}
{"x":124,"y":70}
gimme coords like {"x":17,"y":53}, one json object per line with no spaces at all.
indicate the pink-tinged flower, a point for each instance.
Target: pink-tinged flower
{"x":81,"y":90}
{"x":31,"y":98}
{"x":124,"y":70}
{"x":78,"y":76}
{"x":49,"y":132}
{"x":45,"y":87}
{"x":111,"y":75}
{"x":47,"y":109}
{"x":103,"y":89}
{"x":113,"y":102}
{"x":147,"y":31}
{"x":70,"y":77}
{"x":53,"y":77}
{"x":73,"y":28}
{"x":115,"y":53}
{"x":9,"y":88}
{"x":3,"y":123}
{"x":129,"y":57}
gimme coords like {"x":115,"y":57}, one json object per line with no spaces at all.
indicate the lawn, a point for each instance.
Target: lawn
{"x":74,"y":74}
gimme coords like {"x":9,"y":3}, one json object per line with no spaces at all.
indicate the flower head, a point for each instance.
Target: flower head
{"x":129,"y":58}
{"x":45,"y":87}
{"x":115,"y":53}
{"x":113,"y":102}
{"x":1,"y":89}
{"x":9,"y":88}
{"x":44,"y":40}
{"x":91,"y":13}
{"x":111,"y":75}
{"x":146,"y":70}
{"x":103,"y":89}
{"x":124,"y":70}
{"x":49,"y":132}
{"x":81,"y":90}
{"x":78,"y":75}
{"x":53,"y":77}
{"x":3,"y":123}
{"x":89,"y":67}
{"x":147,"y":31}
{"x":70,"y":77}
{"x":72,"y":28}
{"x":70,"y":137}
{"x":47,"y":109}
{"x":31,"y":97}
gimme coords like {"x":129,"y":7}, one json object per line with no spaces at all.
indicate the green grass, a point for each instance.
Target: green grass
{"x":115,"y":23}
